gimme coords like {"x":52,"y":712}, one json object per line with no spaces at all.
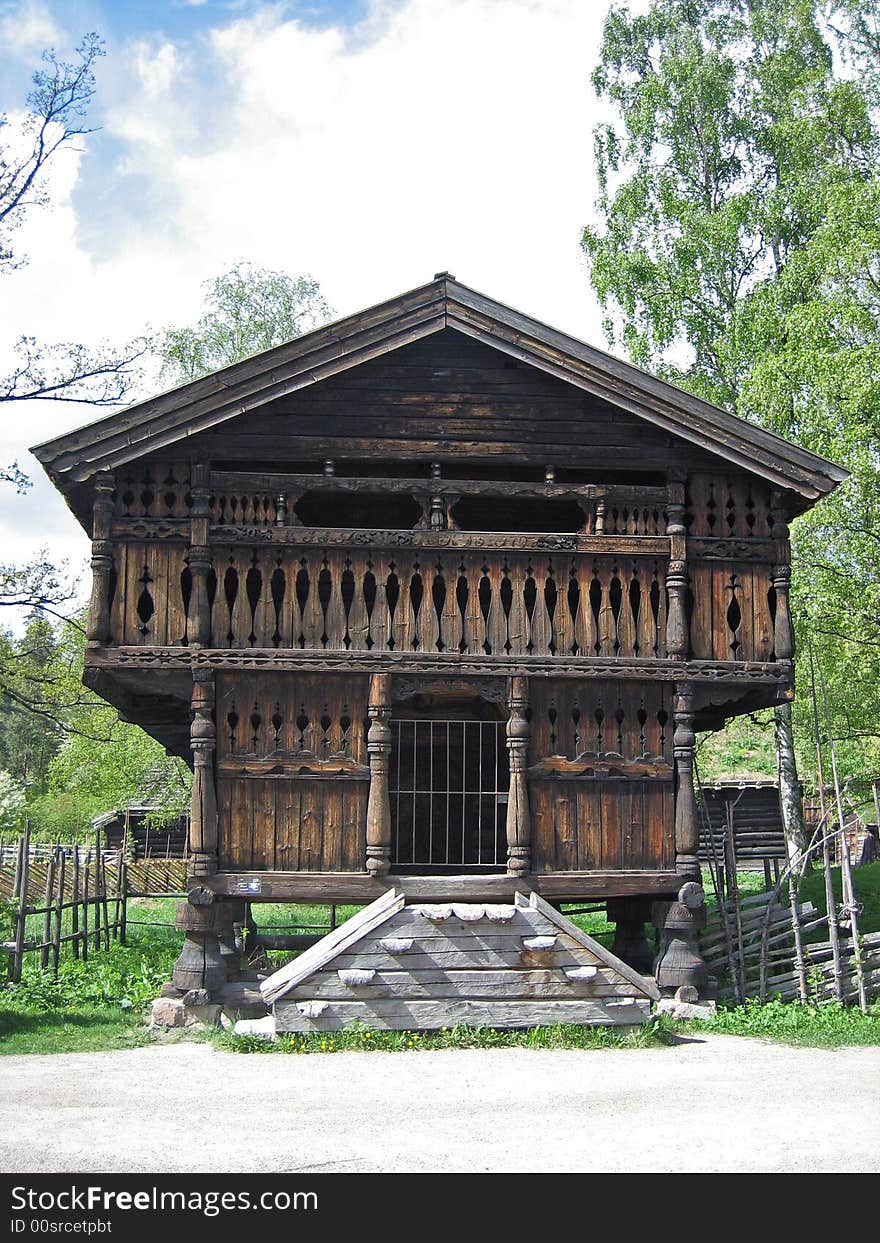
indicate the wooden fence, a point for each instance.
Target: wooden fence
{"x":739,"y":936}
{"x":75,"y":896}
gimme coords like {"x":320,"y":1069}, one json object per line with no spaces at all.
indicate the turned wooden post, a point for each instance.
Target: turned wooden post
{"x":687,"y":835}
{"x":679,"y":963}
{"x":379,"y":802}
{"x":783,"y":631}
{"x":98,"y":622}
{"x":203,"y":740}
{"x":519,"y":820}
{"x":677,"y":636}
{"x":199,"y":558}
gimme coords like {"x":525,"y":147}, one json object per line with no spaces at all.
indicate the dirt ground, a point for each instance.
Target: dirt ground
{"x":718,"y":1103}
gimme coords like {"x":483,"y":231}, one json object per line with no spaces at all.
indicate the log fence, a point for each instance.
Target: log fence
{"x":74,"y":897}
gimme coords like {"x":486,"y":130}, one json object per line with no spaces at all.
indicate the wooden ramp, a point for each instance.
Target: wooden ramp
{"x":402,"y":966}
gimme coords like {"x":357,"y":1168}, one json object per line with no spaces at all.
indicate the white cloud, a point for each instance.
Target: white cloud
{"x":26,"y":27}
{"x":441,"y":134}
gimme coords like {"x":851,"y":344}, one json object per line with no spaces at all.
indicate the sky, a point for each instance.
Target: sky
{"x":367,"y":143}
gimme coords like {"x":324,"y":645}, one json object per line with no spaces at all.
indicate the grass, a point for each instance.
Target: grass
{"x":101,"y":1004}
{"x":818,"y":1027}
{"x":866,"y":883}
{"x":357,"y":1037}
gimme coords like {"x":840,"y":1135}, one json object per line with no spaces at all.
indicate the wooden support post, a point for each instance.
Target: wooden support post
{"x":47,"y":911}
{"x":686,"y":823}
{"x":198,"y":628}
{"x":200,"y":965}
{"x":22,"y":893}
{"x":379,"y":801}
{"x":519,"y":820}
{"x":203,"y":740}
{"x":679,"y":963}
{"x":74,"y":910}
{"x":631,"y":945}
{"x":783,"y":631}
{"x":677,"y":630}
{"x":98,"y":620}
{"x":59,"y":911}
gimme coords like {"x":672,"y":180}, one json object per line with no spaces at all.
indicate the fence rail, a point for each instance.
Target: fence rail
{"x":77,"y":896}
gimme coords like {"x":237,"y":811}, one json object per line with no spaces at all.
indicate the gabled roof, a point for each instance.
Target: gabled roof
{"x":444,"y":303}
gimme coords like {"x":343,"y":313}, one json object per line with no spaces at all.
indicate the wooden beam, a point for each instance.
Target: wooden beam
{"x":360,"y":887}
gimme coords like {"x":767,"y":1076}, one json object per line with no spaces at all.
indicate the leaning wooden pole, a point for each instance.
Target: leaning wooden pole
{"x":849,"y":896}
{"x":830,"y":900}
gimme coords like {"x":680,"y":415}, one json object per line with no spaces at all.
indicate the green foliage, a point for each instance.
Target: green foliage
{"x":359,"y":1037}
{"x":744,"y":748}
{"x":738,"y":257}
{"x":12,"y":802}
{"x":69,"y":750}
{"x":831,"y":1026}
{"x":248,"y":310}
{"x":96,"y":1004}
{"x":866,"y":883}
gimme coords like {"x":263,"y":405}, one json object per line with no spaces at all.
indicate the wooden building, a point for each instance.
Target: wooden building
{"x":435,"y":597}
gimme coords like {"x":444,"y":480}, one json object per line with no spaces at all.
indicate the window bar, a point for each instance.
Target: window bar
{"x":495,"y":803}
{"x":415,"y":782}
{"x":446,"y":853}
{"x":480,"y":796}
{"x":431,"y":792}
{"x":399,"y":732}
{"x":464,"y":726}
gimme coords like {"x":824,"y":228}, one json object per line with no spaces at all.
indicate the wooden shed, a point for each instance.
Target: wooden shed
{"x":434,"y":598}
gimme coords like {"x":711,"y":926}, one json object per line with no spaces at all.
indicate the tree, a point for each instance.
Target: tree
{"x":248,"y":309}
{"x":54,"y":121}
{"x":737,"y":256}
{"x":67,"y":748}
{"x":67,"y":372}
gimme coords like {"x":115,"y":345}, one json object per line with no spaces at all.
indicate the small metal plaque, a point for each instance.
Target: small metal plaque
{"x":250,"y":884}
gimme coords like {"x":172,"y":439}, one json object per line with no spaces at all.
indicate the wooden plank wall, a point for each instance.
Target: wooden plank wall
{"x":446,"y":396}
{"x":292,"y":780}
{"x":601,"y":776}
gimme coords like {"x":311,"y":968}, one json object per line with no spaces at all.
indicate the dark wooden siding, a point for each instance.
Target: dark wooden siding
{"x":448,"y":397}
{"x":292,"y":780}
{"x":601,"y":777}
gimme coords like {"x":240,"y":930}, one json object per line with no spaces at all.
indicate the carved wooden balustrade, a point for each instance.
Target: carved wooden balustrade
{"x":186,"y":558}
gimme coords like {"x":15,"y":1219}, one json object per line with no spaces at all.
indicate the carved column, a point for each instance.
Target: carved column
{"x":783,"y":631}
{"x":203,"y":740}
{"x":519,"y":819}
{"x":677,"y":636}
{"x":199,"y":619}
{"x":379,"y":802}
{"x":200,"y":966}
{"x":679,"y":963}
{"x":686,"y":824}
{"x":98,"y":622}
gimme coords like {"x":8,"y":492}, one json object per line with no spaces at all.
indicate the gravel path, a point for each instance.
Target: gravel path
{"x":714,"y":1103}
